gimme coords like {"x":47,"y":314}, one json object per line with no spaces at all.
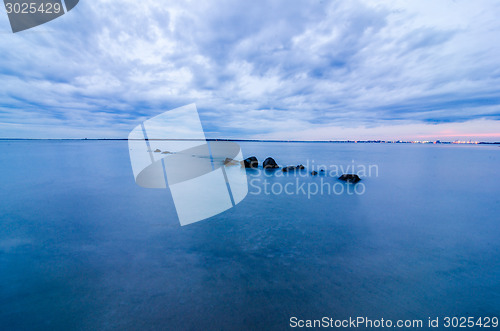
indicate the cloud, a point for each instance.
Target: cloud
{"x":253,"y":68}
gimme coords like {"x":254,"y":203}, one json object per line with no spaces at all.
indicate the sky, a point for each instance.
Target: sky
{"x":301,"y":70}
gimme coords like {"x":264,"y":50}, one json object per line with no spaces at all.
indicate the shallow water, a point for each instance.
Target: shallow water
{"x":83,"y":247}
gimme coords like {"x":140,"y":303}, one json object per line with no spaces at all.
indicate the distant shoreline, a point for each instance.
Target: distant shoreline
{"x":437,"y":142}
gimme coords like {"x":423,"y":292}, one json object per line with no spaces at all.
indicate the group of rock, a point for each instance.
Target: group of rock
{"x":270,"y":163}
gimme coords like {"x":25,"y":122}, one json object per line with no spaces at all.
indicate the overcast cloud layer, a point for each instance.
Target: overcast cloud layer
{"x":258,"y":69}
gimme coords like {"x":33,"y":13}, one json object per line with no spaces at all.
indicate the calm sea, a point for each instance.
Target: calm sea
{"x":83,"y":247}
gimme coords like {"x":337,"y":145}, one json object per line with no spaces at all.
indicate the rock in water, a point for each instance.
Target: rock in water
{"x":157,"y":150}
{"x":314,"y":173}
{"x":230,"y":162}
{"x":251,"y":162}
{"x":293,"y":168}
{"x":351,"y":178}
{"x":269,"y":163}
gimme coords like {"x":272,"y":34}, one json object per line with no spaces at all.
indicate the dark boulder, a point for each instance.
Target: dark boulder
{"x":269,"y":163}
{"x":230,"y":162}
{"x":251,"y":162}
{"x":350,"y":178}
{"x":293,"y":168}
{"x":157,"y":150}
{"x":314,"y":173}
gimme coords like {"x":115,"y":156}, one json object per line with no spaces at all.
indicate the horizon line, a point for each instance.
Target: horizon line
{"x":279,"y":140}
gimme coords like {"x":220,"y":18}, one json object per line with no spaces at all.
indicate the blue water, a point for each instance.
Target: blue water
{"x":83,"y":247}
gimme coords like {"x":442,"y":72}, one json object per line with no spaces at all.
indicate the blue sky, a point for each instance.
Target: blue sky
{"x":407,"y":70}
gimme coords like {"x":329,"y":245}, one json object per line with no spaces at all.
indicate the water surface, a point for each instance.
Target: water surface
{"x":83,"y":247}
